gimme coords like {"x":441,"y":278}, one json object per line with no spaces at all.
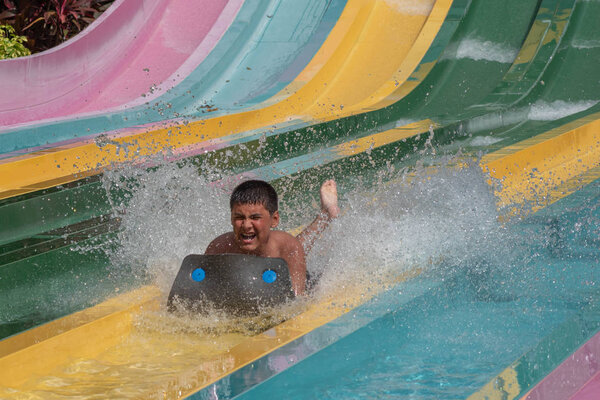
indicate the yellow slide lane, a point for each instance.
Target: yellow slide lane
{"x":364,"y":63}
{"x":127,"y":347}
{"x":543,"y":169}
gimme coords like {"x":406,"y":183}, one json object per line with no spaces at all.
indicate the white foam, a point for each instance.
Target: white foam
{"x":585,"y":44}
{"x":172,"y":212}
{"x":411,"y":7}
{"x":485,"y":140}
{"x":544,"y":111}
{"x":403,"y":122}
{"x":477,"y":49}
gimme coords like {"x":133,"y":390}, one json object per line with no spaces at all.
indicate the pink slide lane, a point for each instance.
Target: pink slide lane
{"x":134,"y":47}
{"x":576,"y":378}
{"x":589,"y":391}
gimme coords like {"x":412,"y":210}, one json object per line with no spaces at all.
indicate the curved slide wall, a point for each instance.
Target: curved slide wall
{"x":360,"y":19}
{"x":358,"y":36}
{"x":264,"y":48}
{"x":133,"y":46}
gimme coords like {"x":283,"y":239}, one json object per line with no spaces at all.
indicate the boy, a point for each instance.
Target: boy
{"x":254,"y":212}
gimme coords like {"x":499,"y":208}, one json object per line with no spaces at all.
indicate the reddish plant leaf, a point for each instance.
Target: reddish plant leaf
{"x":9,"y":4}
{"x":6,"y":15}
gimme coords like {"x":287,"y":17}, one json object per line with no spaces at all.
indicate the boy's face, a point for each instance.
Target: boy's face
{"x":252,"y":225}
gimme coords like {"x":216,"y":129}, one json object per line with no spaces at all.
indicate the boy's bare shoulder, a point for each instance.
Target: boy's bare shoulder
{"x":221,"y":244}
{"x":283,"y":236}
{"x":286,"y":241}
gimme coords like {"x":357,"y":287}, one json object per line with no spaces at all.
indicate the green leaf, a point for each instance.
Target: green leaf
{"x":11,"y":45}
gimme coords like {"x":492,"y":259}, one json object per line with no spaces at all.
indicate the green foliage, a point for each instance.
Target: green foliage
{"x":11,"y":44}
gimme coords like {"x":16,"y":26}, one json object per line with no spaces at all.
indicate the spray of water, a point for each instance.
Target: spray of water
{"x":478,"y":49}
{"x":430,"y":219}
{"x":426,"y":219}
{"x":166,"y":213}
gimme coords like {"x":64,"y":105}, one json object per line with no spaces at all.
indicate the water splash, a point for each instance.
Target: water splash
{"x":479,"y":49}
{"x":166,"y":213}
{"x":426,"y":219}
{"x":583,"y":44}
{"x":549,"y":111}
{"x":483,"y":141}
{"x":430,"y":218}
{"x":411,"y":7}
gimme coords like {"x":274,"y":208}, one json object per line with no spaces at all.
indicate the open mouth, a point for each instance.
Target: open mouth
{"x":247,"y":238}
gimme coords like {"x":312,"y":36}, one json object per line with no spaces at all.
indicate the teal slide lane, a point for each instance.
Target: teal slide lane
{"x":263,"y":50}
{"x":266,"y":367}
{"x":394,"y":343}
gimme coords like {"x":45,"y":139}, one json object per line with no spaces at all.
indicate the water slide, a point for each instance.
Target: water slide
{"x":365,"y":102}
{"x":259,"y":37}
{"x":130,"y":48}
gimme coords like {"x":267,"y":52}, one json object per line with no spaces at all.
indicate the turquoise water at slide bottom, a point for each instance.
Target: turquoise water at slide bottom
{"x":464,"y":325}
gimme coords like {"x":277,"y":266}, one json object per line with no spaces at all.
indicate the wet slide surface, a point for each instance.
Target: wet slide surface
{"x":85,"y":157}
{"x":264,"y":48}
{"x":508,"y":99}
{"x":132,"y":47}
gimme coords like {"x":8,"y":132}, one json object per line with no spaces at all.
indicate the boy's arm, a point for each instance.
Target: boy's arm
{"x":309,"y":235}
{"x":329,"y":211}
{"x":296,"y":264}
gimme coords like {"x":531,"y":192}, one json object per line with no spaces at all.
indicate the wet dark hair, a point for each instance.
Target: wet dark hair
{"x":255,"y":192}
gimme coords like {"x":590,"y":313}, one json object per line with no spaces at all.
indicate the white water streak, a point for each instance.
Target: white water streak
{"x":411,"y":7}
{"x":544,"y":111}
{"x":477,"y":49}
